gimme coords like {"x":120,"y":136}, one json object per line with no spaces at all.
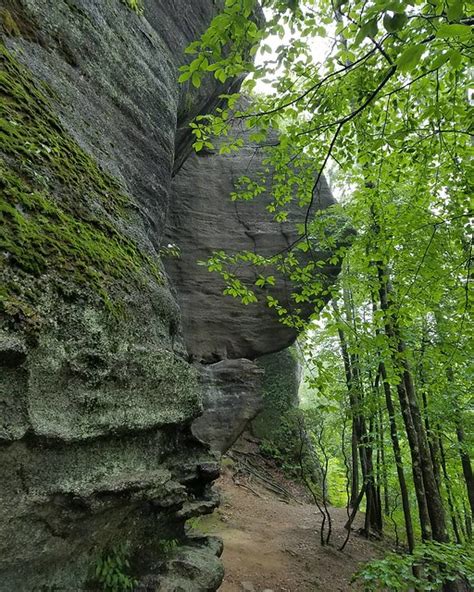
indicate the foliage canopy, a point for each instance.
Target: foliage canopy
{"x":387,"y":115}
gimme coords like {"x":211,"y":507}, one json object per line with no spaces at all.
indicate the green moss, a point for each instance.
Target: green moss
{"x":278,"y":424}
{"x":207,"y":524}
{"x":58,"y":209}
{"x":135,"y":5}
{"x":15,"y":22}
{"x":30,"y":130}
{"x":280,"y":393}
{"x":9,"y":24}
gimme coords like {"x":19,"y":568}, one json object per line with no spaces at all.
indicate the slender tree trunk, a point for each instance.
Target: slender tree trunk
{"x":355,"y":394}
{"x":432,"y":439}
{"x":465,"y":463}
{"x":361,"y":443}
{"x":386,"y":498}
{"x":447,"y":484}
{"x":465,"y":460}
{"x":373,"y":517}
{"x":398,"y":458}
{"x":352,"y":516}
{"x":467,"y":521}
{"x":407,"y":418}
{"x":383,"y":471}
{"x":433,"y":496}
{"x":467,"y":472}
{"x":354,"y":465}
{"x":350,"y":389}
{"x":325,"y":466}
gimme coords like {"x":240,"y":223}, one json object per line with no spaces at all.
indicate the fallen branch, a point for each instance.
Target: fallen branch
{"x":245,"y":486}
{"x":259,"y":473}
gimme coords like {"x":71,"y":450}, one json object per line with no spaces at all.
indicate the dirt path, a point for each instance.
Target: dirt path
{"x":270,"y":545}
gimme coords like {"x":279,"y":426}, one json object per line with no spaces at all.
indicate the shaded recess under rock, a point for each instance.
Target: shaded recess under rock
{"x":97,"y":390}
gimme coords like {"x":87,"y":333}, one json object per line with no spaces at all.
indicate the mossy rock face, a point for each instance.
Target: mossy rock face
{"x":278,"y":426}
{"x":79,"y":499}
{"x":281,"y":425}
{"x":60,"y":213}
{"x":280,"y":387}
{"x":96,"y":392}
{"x":91,"y":377}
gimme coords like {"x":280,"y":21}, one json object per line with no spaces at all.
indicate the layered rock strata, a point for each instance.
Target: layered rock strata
{"x":202,"y":219}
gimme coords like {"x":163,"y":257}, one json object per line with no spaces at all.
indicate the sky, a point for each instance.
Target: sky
{"x":320,"y":49}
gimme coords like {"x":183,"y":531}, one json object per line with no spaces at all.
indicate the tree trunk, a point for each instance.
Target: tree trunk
{"x":432,"y":439}
{"x":384,"y":464}
{"x":447,"y":484}
{"x":465,"y":460}
{"x":350,"y":389}
{"x":398,"y":458}
{"x":361,"y":443}
{"x":407,"y":418}
{"x":466,"y":469}
{"x":433,"y":496}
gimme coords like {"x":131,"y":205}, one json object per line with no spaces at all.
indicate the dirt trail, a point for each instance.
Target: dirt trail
{"x":270,"y":545}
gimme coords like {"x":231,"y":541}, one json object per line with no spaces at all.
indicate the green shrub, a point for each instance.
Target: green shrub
{"x":112,"y":570}
{"x":436,"y":563}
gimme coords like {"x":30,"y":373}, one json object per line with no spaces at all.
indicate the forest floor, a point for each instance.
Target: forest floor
{"x":272,"y":545}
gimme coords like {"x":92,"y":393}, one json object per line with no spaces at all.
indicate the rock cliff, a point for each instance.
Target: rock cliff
{"x":202,"y":219}
{"x":97,"y":395}
{"x":221,"y":334}
{"x":98,"y":392}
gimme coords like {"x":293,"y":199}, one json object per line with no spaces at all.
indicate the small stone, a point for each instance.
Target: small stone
{"x":247,"y":587}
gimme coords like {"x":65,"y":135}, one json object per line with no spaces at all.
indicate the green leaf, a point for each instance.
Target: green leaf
{"x":184,"y":76}
{"x":455,"y":58}
{"x":394,"y":23}
{"x":410,"y":57}
{"x":220,"y":75}
{"x":454,"y":11}
{"x":196,"y":79}
{"x":453,"y":31}
{"x":371,"y":27}
{"x":368,"y":29}
{"x":440,"y":59}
